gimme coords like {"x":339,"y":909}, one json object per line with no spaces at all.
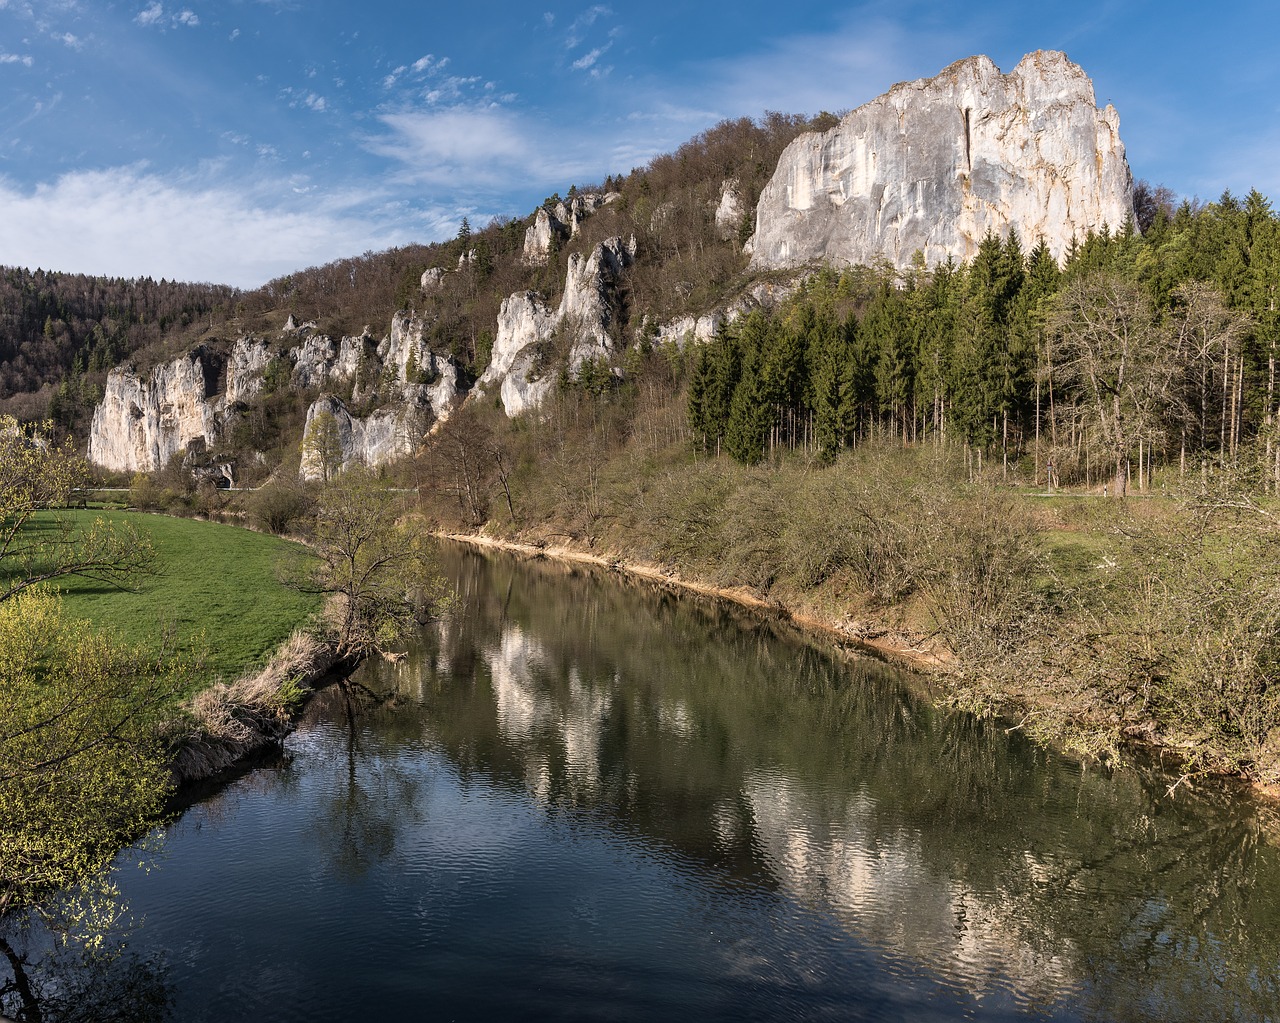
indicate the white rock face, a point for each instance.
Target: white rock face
{"x":381,"y":437}
{"x":933,"y":165}
{"x":700,"y":329}
{"x":420,"y":398}
{"x":311,"y":362}
{"x":384,"y":435}
{"x":431,"y":278}
{"x":350,"y":351}
{"x":404,"y":344}
{"x":142,"y":421}
{"x":539,"y":236}
{"x":140,"y":424}
{"x":525,"y":321}
{"x":249,"y":359}
{"x":563,"y":222}
{"x":729,"y":213}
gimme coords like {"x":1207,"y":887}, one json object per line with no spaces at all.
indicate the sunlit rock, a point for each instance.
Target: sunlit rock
{"x":142,"y":422}
{"x":933,"y":165}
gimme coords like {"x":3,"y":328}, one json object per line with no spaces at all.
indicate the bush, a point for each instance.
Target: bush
{"x":278,"y":505}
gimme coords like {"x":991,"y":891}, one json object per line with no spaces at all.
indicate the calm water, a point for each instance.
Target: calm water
{"x":591,"y":800}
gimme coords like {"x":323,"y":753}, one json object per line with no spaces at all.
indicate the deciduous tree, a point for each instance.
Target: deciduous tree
{"x":374,"y":563}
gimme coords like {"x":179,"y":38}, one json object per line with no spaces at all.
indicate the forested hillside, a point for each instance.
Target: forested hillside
{"x":61,"y":332}
{"x":1141,"y":349}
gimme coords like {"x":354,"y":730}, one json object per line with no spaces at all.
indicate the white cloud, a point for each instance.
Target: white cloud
{"x":67,"y":39}
{"x":150,"y":15}
{"x":588,"y":59}
{"x":131,"y":223}
{"x":302,"y":98}
{"x":486,"y":148}
{"x":153,"y":14}
{"x":15,"y":58}
{"x":449,"y":90}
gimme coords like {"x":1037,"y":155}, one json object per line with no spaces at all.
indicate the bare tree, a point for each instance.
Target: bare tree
{"x":1208,"y":333}
{"x":1120,"y":360}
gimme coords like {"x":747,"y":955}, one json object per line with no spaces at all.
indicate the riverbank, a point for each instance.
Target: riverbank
{"x":1037,"y":698}
{"x":229,"y":723}
{"x":914,"y":651}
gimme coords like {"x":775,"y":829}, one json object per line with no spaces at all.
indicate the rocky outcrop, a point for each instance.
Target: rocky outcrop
{"x":581,"y":324}
{"x":729,"y":213}
{"x":933,"y":165}
{"x":321,"y":362}
{"x":250,"y":357}
{"x":144,"y":419}
{"x":700,"y":329}
{"x":381,"y":437}
{"x":560,"y":223}
{"x":142,"y":422}
{"x":311,"y":362}
{"x":524,"y":323}
{"x":419,"y":386}
{"x":540,"y":236}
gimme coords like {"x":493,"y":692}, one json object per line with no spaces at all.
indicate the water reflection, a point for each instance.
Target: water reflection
{"x":944,"y":843}
{"x":582,"y":799}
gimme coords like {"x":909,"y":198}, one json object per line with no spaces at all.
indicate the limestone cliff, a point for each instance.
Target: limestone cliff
{"x":560,"y":223}
{"x":935,"y":164}
{"x":146,"y":418}
{"x":143,"y":421}
{"x":380,"y":437}
{"x":418,"y":385}
{"x":582,"y":321}
{"x":687,"y":329}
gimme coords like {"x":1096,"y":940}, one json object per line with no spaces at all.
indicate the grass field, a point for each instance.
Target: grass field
{"x":216,"y":593}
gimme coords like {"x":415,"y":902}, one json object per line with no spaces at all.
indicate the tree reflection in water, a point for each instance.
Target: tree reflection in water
{"x":940,"y":838}
{"x":43,"y":980}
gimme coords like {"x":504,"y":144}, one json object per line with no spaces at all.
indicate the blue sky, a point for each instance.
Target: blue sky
{"x":236,"y":140}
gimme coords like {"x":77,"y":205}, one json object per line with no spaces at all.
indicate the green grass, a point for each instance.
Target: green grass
{"x":216,"y":593}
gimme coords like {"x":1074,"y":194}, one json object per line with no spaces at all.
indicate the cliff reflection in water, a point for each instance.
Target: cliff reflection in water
{"x":944,"y":841}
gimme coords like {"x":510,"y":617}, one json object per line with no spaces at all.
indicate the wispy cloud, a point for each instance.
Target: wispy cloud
{"x":425,"y":66}
{"x":490,"y":148}
{"x":25,"y":59}
{"x":129,"y":222}
{"x":297,"y":98}
{"x":589,"y":59}
{"x":153,"y":15}
{"x":582,"y":22}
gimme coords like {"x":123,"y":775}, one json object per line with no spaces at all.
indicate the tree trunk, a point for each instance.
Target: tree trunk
{"x":1122,"y":475}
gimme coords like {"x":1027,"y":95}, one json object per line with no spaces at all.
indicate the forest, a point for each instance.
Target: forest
{"x":1140,"y":351}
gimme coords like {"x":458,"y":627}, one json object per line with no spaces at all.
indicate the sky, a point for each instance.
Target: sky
{"x":234,"y":141}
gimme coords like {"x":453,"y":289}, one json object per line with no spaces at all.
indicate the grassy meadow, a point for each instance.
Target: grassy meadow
{"x":215,"y":596}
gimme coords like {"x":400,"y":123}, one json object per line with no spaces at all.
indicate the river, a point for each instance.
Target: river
{"x":587,"y":799}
